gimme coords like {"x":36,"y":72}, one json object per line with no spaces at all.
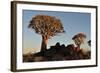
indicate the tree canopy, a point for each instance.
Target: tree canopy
{"x":79,"y":38}
{"x":45,"y":25}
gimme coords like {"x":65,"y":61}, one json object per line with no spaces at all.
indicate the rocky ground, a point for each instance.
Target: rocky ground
{"x":58,"y":53}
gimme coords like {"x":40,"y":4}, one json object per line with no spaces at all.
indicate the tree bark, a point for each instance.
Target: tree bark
{"x":78,"y":47}
{"x":44,"y":43}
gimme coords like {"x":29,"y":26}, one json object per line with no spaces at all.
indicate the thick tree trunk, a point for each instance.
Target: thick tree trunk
{"x":78,"y":47}
{"x":44,"y":43}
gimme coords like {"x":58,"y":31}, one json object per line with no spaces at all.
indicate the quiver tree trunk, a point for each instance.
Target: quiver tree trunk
{"x":78,"y":47}
{"x":44,"y":43}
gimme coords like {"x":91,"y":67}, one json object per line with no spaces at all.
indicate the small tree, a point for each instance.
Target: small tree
{"x":79,"y":39}
{"x":89,"y":42}
{"x":47,"y":27}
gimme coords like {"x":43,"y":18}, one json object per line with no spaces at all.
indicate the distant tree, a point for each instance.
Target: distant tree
{"x":47,"y":27}
{"x":89,"y":42}
{"x":79,"y":39}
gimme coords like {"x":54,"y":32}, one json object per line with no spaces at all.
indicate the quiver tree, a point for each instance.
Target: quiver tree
{"x":79,"y":39}
{"x":47,"y":27}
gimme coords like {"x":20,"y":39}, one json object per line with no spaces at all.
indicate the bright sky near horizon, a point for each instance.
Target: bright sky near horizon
{"x":73,"y":23}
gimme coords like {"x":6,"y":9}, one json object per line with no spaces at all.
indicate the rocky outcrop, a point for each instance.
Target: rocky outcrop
{"x":57,"y":53}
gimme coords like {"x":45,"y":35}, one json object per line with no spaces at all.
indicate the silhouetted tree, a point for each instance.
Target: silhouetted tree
{"x":47,"y":27}
{"x":89,"y":42}
{"x":79,"y":39}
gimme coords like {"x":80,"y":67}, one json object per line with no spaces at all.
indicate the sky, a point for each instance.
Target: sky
{"x":73,"y":23}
